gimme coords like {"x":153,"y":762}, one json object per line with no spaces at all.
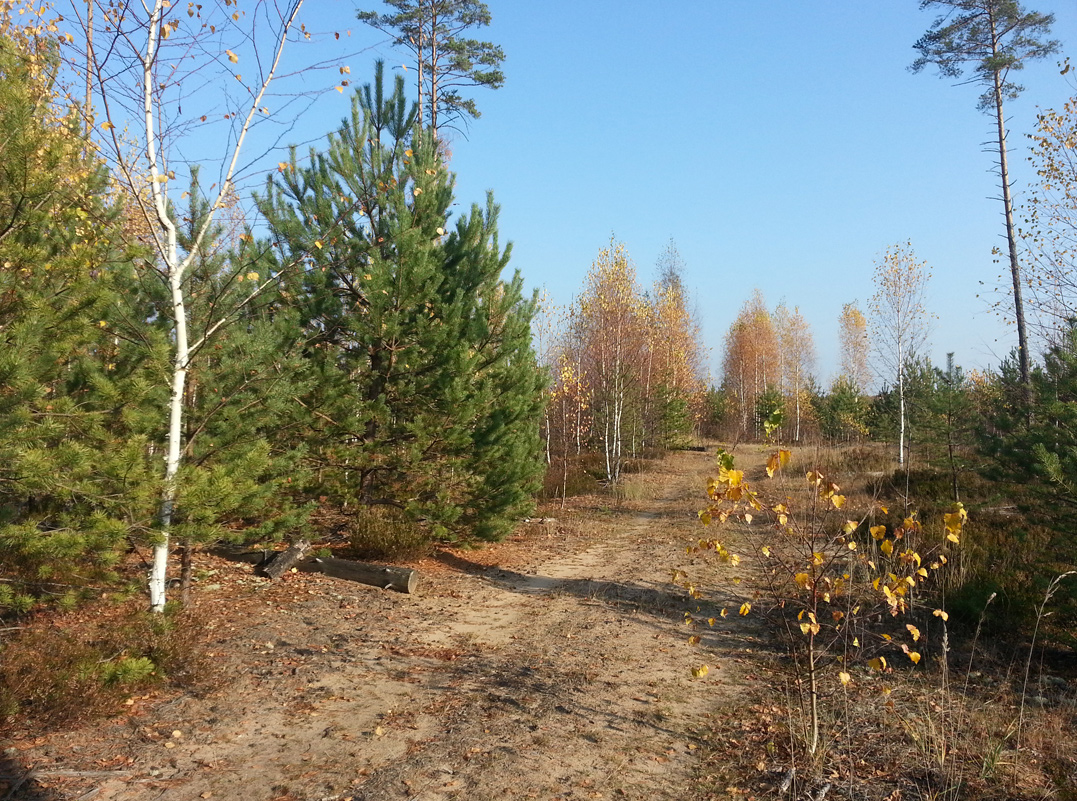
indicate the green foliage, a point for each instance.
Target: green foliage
{"x":770,"y":412}
{"x":1033,"y":455}
{"x":675,"y":425}
{"x":236,"y":480}
{"x":843,"y":412}
{"x":73,"y":474}
{"x":990,"y":38}
{"x":425,"y":394}
{"x":445,"y":61}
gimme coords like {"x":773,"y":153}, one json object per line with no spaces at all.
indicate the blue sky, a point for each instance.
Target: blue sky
{"x":781,"y":144}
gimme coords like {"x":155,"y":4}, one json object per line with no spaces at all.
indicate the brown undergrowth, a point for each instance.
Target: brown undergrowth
{"x":961,"y":723}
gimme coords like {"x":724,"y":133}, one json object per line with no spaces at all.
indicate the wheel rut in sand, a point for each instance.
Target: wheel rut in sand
{"x":566,"y":676}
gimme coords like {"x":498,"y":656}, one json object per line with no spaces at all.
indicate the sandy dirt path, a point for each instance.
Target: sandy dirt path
{"x":553,"y":667}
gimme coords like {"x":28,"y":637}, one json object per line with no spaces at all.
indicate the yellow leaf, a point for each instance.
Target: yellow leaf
{"x":942,"y":614}
{"x":852,"y":545}
{"x":694,"y":639}
{"x":845,"y":678}
{"x":745,"y":608}
{"x":107,"y":126}
{"x":849,"y":527}
{"x":724,"y":612}
{"x":802,"y":580}
{"x":232,"y":57}
{"x":915,"y":632}
{"x":747,"y":518}
{"x":953,"y":538}
{"x":915,"y":657}
{"x":339,"y":89}
{"x":879,"y":663}
{"x":102,"y":323}
{"x":887,"y":547}
{"x":700,"y":672}
{"x":765,"y":550}
{"x":878,"y":532}
{"x":252,"y":276}
{"x":838,"y":501}
{"x":318,"y":244}
{"x":772,"y":465}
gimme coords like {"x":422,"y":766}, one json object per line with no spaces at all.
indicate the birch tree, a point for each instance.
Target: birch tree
{"x":854,"y":346}
{"x":676,"y":350}
{"x":992,"y":39}
{"x":1050,"y":232}
{"x":750,"y":366}
{"x":796,"y":350}
{"x":899,"y":322}
{"x":144,"y":61}
{"x":610,"y":323}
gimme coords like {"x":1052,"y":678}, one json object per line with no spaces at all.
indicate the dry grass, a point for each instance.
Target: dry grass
{"x":383,"y":533}
{"x":65,"y":669}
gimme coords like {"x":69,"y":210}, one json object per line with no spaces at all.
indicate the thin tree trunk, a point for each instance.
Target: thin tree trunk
{"x":1011,"y":237}
{"x":434,"y":72}
{"x":901,"y":416}
{"x":186,"y":572}
{"x":88,"y":109}
{"x":796,"y":389}
{"x":419,"y":49}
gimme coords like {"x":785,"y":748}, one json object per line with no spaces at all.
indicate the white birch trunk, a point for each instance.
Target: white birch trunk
{"x":175,"y":270}
{"x":901,"y":415}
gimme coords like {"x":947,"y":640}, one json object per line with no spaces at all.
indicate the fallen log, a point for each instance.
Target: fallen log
{"x":280,"y":563}
{"x":401,"y":579}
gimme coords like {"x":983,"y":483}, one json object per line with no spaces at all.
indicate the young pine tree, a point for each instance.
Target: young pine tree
{"x":426,"y":394}
{"x":73,"y":477}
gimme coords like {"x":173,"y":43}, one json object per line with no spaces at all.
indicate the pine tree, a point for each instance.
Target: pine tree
{"x":72,"y":477}
{"x":426,"y":394}
{"x":445,"y":61}
{"x":993,"y":39}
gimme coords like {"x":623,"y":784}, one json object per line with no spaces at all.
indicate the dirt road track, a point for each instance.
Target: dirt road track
{"x":566,"y":676}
